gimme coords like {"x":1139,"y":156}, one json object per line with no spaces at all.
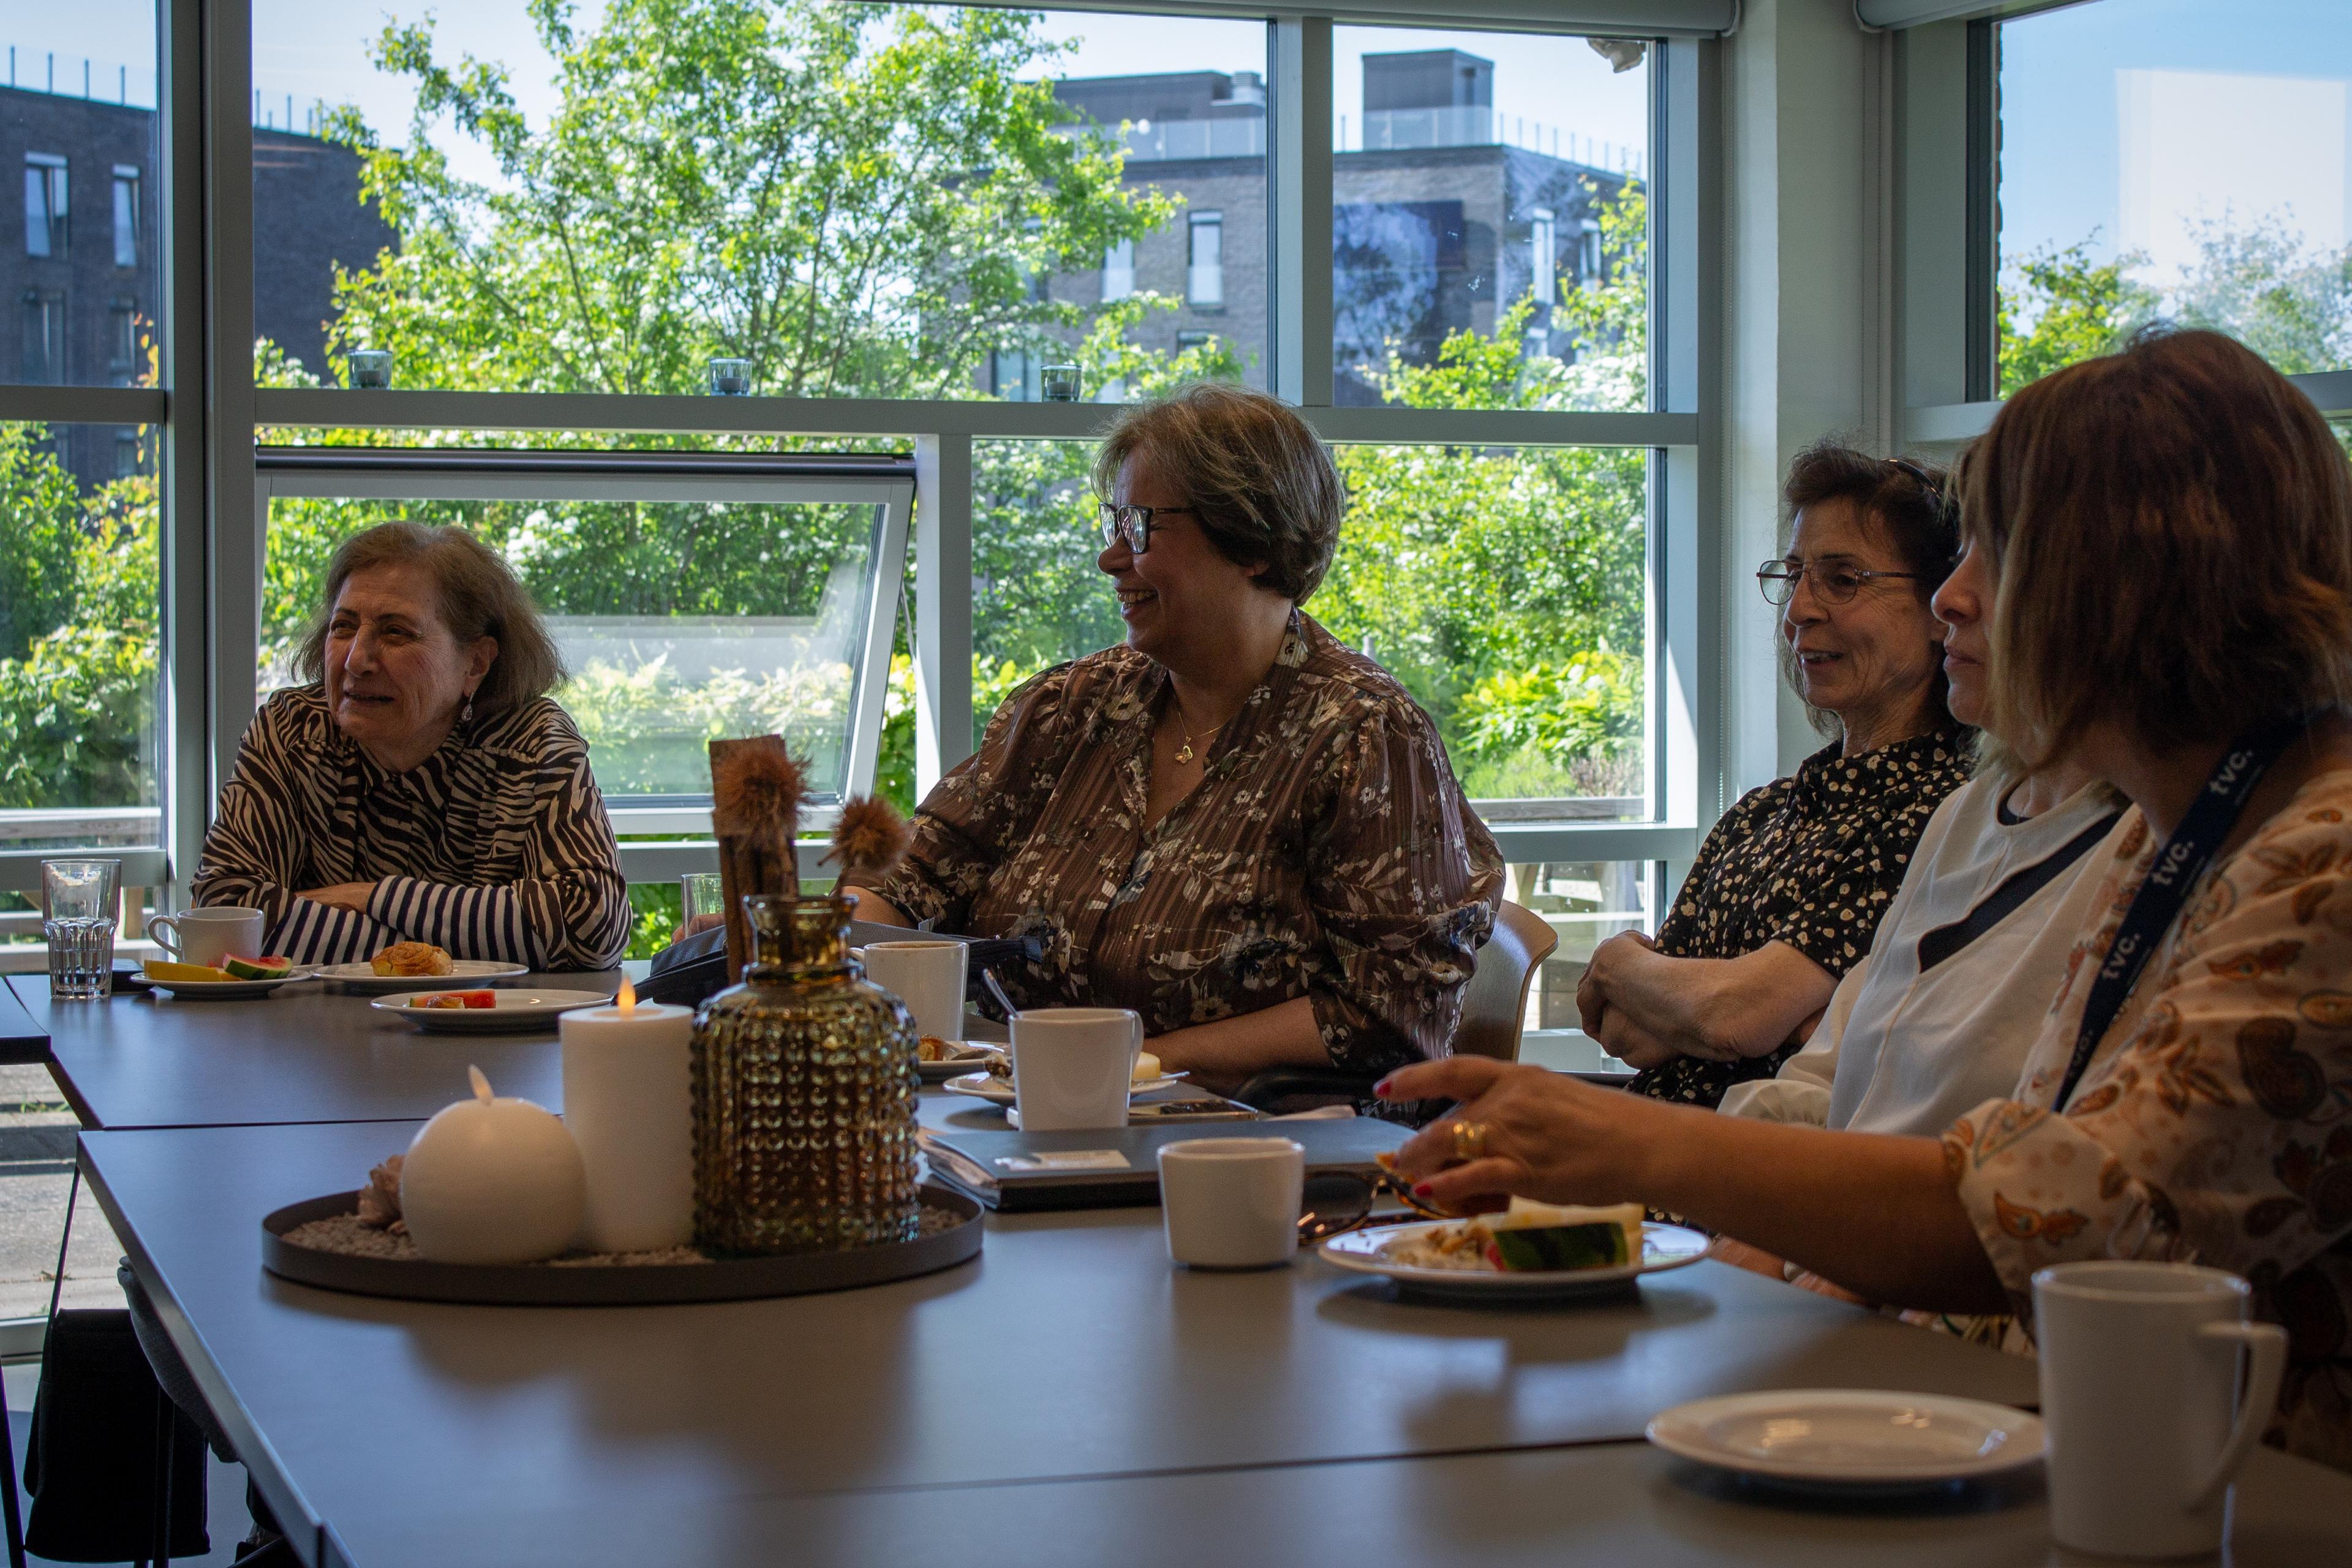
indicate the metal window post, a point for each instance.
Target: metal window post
{"x":183,"y":448}
{"x":1299,"y":205}
{"x":232,"y":563}
{"x":942,"y":629}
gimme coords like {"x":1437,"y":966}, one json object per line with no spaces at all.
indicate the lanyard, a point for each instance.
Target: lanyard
{"x":2207,"y":822}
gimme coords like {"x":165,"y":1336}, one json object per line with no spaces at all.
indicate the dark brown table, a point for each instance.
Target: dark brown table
{"x":302,"y":1053}
{"x":1070,"y":1352}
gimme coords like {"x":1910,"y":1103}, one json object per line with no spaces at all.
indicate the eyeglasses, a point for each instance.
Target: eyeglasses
{"x":1340,"y":1201}
{"x":1835,"y":581}
{"x":1133,"y":523}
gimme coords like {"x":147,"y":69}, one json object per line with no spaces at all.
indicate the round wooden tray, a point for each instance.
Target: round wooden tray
{"x":618,"y":1285}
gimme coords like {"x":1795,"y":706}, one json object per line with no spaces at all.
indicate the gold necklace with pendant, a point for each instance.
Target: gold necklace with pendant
{"x":1184,"y":752}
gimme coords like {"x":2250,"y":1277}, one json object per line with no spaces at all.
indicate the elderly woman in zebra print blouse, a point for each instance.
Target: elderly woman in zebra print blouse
{"x":423,"y":786}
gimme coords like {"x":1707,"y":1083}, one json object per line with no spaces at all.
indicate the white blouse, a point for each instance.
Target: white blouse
{"x":1903,"y":1049}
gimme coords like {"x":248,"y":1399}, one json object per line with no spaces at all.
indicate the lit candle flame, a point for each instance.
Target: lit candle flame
{"x":628,"y":997}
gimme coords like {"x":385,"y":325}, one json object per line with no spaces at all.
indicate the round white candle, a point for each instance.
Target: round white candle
{"x":492,"y":1181}
{"x":627,"y":1101}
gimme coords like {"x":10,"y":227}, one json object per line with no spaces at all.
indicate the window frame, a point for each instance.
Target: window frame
{"x":1947,"y":131}
{"x":212,"y":491}
{"x":362,"y":473}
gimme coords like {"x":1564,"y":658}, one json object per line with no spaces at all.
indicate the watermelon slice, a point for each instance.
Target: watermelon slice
{"x":270,"y":968}
{"x":1532,"y":1236}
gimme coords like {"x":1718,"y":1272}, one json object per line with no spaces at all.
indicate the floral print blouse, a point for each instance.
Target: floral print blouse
{"x":1325,"y":852}
{"x":2213,"y":1124}
{"x":1813,"y":860}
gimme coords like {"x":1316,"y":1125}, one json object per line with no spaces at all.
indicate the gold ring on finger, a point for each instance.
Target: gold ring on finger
{"x":1469,"y":1140}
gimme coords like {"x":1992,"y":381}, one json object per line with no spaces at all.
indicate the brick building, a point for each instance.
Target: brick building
{"x":79,"y":276}
{"x":1437,"y":222}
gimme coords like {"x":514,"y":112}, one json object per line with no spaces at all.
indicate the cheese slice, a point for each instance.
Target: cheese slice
{"x":184,"y":974}
{"x":1147,"y":1068}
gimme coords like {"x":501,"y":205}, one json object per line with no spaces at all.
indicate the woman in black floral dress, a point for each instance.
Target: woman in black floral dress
{"x":1787,"y":889}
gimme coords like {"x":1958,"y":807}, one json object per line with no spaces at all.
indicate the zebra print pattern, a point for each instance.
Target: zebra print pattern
{"x":497,"y":846}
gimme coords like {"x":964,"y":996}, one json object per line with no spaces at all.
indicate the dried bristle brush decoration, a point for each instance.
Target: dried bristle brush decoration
{"x":869,"y":838}
{"x":756,"y":795}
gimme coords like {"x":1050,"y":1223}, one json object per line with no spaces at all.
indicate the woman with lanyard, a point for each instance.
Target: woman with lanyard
{"x":2171,"y":532}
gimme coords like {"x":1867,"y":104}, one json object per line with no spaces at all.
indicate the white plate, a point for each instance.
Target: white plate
{"x":229,"y":990}
{"x":1851,"y":1437}
{"x":515,"y":1010}
{"x":466,"y":974}
{"x":999,"y":1091}
{"x":961,"y":1066}
{"x":1663,"y":1246}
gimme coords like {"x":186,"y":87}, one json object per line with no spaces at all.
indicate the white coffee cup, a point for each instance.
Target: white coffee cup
{"x":210,"y":934}
{"x":2146,"y":1416}
{"x":1232,"y":1203}
{"x":1072,"y":1066}
{"x":928,"y":977}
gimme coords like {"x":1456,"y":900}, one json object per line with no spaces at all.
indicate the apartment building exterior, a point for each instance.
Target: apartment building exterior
{"x":79,"y":276}
{"x":1438,"y":221}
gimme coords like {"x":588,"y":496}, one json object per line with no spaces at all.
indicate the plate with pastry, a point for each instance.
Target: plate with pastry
{"x":940,"y":1060}
{"x":1529,"y":1249}
{"x":993,"y":1083}
{"x":400,"y":966}
{"x":464,"y":1010}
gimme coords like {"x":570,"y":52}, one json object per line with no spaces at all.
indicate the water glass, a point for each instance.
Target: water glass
{"x":699,"y":893}
{"x":731,"y":378}
{"x":1059,"y":383}
{"x":371,"y":369}
{"x":79,"y":899}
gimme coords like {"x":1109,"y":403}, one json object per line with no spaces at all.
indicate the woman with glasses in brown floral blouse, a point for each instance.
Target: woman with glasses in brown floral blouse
{"x":1232,"y":824}
{"x":1789,"y":888}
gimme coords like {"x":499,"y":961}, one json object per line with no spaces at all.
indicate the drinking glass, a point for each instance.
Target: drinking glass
{"x":370,"y":369}
{"x":79,"y":899}
{"x":730,"y":377}
{"x":1059,"y":383}
{"x":698,"y":893}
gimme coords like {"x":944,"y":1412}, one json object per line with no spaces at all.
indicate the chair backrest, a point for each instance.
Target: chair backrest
{"x":1494,"y":1002}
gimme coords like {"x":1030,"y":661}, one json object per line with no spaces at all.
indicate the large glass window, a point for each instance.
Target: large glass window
{"x":687,"y":605}
{"x":2170,"y":158}
{"x":1585,"y":903}
{"x":1505,"y":589}
{"x":77,"y":636}
{"x":1465,"y":167}
{"x":78,"y":142}
{"x":862,"y":201}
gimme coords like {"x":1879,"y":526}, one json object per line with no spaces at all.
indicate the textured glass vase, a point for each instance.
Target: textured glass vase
{"x":805,"y":1089}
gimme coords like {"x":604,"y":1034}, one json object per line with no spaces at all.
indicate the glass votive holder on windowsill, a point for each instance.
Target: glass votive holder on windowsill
{"x":370,"y":369}
{"x":731,"y":378}
{"x":1059,"y":383}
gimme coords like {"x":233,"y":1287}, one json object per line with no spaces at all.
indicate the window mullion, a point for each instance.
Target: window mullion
{"x":1299,"y":199}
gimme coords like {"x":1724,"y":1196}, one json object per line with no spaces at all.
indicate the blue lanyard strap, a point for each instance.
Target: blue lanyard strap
{"x":2207,"y":821}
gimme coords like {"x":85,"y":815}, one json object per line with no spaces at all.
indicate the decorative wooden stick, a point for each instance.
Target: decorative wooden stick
{"x":755,"y":806}
{"x":868,"y":840}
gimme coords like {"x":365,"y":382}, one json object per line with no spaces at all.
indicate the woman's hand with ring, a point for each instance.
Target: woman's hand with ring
{"x":1539,"y":1134}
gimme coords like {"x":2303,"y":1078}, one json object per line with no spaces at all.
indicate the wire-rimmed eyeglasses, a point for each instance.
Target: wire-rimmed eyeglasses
{"x":1836,"y":580}
{"x":1133,"y":523}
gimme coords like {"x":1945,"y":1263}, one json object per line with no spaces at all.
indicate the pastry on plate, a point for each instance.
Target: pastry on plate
{"x":413,"y":958}
{"x":1528,"y":1237}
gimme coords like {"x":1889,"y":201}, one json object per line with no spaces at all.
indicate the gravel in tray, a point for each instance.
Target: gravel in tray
{"x":346,"y":1235}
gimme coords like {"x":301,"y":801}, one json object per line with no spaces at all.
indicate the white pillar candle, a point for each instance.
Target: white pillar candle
{"x":626,"y":1100}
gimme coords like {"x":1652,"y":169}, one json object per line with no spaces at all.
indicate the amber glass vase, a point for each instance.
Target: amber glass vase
{"x":804,"y":1089}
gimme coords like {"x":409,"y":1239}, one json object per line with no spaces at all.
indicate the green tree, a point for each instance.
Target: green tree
{"x":77,"y":696}
{"x":2056,"y":306}
{"x":851,"y":197}
{"x":40,"y":521}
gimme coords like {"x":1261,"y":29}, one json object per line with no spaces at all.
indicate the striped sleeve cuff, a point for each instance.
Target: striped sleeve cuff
{"x":321,"y":933}
{"x":484,"y":922}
